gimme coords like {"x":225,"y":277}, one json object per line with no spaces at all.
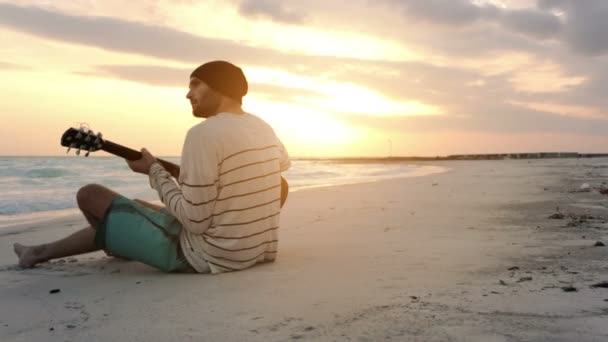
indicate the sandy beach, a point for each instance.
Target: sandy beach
{"x":467,"y":255}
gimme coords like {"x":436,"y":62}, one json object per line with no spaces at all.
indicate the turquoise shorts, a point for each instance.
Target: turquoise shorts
{"x":133,"y":231}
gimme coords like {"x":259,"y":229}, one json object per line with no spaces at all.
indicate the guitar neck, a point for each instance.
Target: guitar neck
{"x":131,"y":154}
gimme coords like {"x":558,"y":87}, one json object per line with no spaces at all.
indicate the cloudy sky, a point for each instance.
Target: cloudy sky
{"x":333,"y":77}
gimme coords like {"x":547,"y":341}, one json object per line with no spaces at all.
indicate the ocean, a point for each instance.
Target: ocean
{"x":40,"y":188}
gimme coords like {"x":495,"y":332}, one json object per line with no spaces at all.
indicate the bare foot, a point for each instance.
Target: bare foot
{"x":28,"y":256}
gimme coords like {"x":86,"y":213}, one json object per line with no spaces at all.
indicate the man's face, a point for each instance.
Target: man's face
{"x":205,"y":102}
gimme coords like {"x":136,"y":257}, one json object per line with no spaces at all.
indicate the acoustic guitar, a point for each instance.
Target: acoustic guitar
{"x":86,"y":140}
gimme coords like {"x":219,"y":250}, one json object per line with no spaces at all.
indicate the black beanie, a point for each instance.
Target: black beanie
{"x":223,"y":77}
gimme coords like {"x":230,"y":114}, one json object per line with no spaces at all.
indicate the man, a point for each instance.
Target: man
{"x":221,"y":215}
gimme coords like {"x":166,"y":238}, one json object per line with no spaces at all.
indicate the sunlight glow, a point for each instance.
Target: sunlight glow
{"x":340,"y":97}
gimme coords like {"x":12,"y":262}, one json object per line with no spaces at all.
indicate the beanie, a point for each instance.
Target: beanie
{"x":224,"y":78}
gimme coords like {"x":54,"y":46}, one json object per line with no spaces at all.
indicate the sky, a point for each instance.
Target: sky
{"x":334,"y":78}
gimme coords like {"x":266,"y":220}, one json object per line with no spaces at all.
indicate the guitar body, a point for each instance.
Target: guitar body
{"x":86,"y":140}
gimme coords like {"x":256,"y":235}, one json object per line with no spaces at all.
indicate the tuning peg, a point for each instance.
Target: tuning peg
{"x":80,"y":133}
{"x":88,"y":149}
{"x":72,"y":145}
{"x":82,"y":147}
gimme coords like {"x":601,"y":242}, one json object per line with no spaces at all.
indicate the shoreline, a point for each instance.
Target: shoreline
{"x":407,"y":259}
{"x":12,"y":222}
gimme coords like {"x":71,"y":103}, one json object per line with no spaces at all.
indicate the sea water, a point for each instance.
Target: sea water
{"x":39,"y":188}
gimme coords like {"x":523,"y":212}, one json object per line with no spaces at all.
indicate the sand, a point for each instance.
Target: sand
{"x":466,"y":255}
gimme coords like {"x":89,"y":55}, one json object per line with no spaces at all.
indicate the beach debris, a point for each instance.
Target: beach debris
{"x":602,"y":284}
{"x":557,"y":216}
{"x":569,"y":289}
{"x":72,"y":260}
{"x":604,"y":191}
{"x":576,"y":220}
{"x":70,"y":326}
{"x":494,"y":292}
{"x":585,"y":187}
{"x":522,"y":279}
{"x":599,"y":244}
{"x":55,"y":291}
{"x":502,"y":282}
{"x":435,"y":183}
{"x":514,"y":268}
{"x":51,"y":329}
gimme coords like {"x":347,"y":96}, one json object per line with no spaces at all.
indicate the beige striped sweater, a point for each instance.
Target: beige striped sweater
{"x":228,"y":193}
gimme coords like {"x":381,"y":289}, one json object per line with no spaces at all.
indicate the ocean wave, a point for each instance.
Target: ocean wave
{"x":40,"y":184}
{"x":47,"y":172}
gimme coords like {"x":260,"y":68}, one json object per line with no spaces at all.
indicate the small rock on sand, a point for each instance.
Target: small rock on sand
{"x":599,"y":244}
{"x":569,"y":289}
{"x":522,"y":279}
{"x":514,"y":268}
{"x":55,"y":291}
{"x":603,"y":284}
{"x":557,"y":216}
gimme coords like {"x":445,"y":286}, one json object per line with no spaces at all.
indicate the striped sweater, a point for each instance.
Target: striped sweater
{"x":228,"y":193}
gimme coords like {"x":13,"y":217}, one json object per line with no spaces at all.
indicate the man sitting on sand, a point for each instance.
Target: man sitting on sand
{"x":223,"y":212}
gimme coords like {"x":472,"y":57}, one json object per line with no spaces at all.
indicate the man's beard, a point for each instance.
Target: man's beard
{"x":208,"y":105}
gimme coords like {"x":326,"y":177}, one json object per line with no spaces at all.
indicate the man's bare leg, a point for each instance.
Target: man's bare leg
{"x":94,"y":200}
{"x":83,"y":241}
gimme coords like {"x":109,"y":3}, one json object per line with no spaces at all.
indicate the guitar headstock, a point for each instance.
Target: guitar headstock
{"x":82,"y":139}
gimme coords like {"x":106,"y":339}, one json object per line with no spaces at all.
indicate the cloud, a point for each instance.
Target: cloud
{"x":12,"y":66}
{"x":447,"y":12}
{"x":497,"y":118}
{"x":147,"y":74}
{"x":585,"y":23}
{"x":528,"y":21}
{"x":532,"y":23}
{"x":156,"y":75}
{"x":124,"y":36}
{"x":271,"y":9}
{"x":580,"y":24}
{"x":473,"y":98}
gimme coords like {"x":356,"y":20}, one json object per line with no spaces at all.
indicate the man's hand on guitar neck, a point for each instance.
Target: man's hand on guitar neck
{"x":143,"y":164}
